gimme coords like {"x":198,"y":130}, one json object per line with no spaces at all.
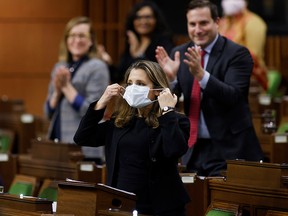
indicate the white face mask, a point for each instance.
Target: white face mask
{"x":137,"y":96}
{"x":232,"y":7}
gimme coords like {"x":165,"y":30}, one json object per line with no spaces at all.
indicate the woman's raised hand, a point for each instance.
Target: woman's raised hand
{"x":111,"y":92}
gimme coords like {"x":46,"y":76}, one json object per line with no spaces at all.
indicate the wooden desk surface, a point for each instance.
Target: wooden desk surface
{"x":87,"y":199}
{"x":116,"y":213}
{"x":16,"y":205}
{"x":47,"y":169}
{"x":249,"y":195}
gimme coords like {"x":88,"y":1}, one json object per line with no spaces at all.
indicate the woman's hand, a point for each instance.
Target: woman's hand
{"x":166,"y":98}
{"x":137,"y":47}
{"x":62,"y":78}
{"x":57,"y":84}
{"x":104,"y":55}
{"x":111,"y":92}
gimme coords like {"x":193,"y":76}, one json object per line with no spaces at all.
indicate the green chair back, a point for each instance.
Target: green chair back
{"x":19,"y":188}
{"x":274,"y":80}
{"x":283,"y":128}
{"x":50,"y":193}
{"x":4,"y":143}
{"x":215,"y":212}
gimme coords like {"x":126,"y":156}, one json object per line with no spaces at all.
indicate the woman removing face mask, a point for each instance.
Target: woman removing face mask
{"x":144,"y":138}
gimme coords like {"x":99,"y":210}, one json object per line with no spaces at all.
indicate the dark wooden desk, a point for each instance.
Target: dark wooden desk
{"x":55,"y":151}
{"x":24,"y":130}
{"x":199,"y":195}
{"x":46,"y":168}
{"x":86,"y":199}
{"x":280,"y":148}
{"x":274,"y":146}
{"x":257,"y":199}
{"x":8,"y":169}
{"x":257,"y":187}
{"x":116,"y":213}
{"x":11,"y":205}
{"x":50,"y":160}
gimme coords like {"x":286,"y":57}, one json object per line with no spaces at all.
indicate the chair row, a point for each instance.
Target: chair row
{"x":26,"y":185}
{"x":219,"y":208}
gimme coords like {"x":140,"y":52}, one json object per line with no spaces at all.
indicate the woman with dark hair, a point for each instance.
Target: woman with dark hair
{"x":146,"y":28}
{"x":143,"y":139}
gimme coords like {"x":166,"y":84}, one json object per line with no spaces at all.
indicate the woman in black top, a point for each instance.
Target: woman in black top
{"x":145,"y":29}
{"x":144,"y":138}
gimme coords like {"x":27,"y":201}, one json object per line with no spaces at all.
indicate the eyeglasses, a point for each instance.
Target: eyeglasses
{"x":81,"y":36}
{"x":146,"y":17}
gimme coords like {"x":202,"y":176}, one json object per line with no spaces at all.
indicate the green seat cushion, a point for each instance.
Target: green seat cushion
{"x":283,"y":128}
{"x":49,"y":193}
{"x":4,"y":143}
{"x":274,"y":80}
{"x":21,"y":188}
{"x":215,"y":212}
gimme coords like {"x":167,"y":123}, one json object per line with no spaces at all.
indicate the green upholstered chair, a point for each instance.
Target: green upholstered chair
{"x":23,"y":184}
{"x":283,"y":127}
{"x":215,"y":212}
{"x":6,"y":140}
{"x":49,"y":190}
{"x":219,"y":208}
{"x":49,"y":193}
{"x":274,"y":80}
{"x":21,"y":188}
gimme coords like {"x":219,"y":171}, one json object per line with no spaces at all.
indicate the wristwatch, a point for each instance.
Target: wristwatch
{"x":167,"y":108}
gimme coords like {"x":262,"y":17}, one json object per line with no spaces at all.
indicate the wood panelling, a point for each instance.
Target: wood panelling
{"x":47,"y":9}
{"x":34,"y":48}
{"x":29,"y":40}
{"x":276,"y":53}
{"x":109,"y":17}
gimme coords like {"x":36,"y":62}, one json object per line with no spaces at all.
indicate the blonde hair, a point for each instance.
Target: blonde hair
{"x":124,"y":113}
{"x":64,"y":54}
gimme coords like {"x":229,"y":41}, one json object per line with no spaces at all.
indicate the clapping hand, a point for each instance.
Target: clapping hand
{"x":62,"y":78}
{"x":169,"y":66}
{"x":193,"y":60}
{"x":137,"y":47}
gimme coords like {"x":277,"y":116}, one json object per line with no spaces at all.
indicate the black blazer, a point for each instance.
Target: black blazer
{"x":167,"y":144}
{"x":225,"y":100}
{"x":117,"y":72}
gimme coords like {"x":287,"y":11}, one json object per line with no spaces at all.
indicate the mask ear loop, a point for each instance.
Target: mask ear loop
{"x":156,"y":89}
{"x":124,"y":91}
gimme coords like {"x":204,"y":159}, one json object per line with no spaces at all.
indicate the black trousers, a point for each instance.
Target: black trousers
{"x":200,"y":161}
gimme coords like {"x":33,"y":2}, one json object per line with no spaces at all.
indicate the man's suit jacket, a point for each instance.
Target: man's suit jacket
{"x":224,"y":101}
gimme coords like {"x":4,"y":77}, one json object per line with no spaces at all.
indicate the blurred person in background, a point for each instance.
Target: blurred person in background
{"x":246,"y":28}
{"x":146,"y":28}
{"x":79,"y":78}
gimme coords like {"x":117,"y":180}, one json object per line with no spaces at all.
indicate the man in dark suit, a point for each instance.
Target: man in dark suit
{"x":225,"y":130}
